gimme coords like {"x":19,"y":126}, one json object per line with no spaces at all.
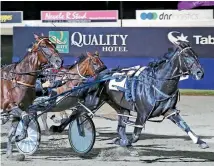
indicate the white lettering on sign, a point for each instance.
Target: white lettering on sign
{"x":204,"y":40}
{"x":76,"y":16}
{"x":60,"y":16}
{"x":116,"y":42}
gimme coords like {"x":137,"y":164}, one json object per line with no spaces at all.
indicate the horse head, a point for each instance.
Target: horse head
{"x":187,"y":58}
{"x":46,"y":51}
{"x":90,"y":64}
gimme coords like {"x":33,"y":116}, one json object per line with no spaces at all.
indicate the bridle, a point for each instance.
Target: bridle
{"x":181,"y":72}
{"x":46,"y":55}
{"x":95,"y":72}
{"x":45,"y":51}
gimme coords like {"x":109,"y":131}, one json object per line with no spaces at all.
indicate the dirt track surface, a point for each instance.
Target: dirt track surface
{"x":160,"y":143}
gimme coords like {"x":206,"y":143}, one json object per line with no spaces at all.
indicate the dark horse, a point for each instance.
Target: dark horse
{"x":18,"y":84}
{"x":155,"y":93}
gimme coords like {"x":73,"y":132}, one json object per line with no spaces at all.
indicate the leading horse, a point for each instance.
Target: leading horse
{"x":18,"y":84}
{"x":154,"y":92}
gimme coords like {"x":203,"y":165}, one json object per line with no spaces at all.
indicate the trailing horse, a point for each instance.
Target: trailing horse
{"x":74,"y":75}
{"x":153,"y":91}
{"x":18,"y":84}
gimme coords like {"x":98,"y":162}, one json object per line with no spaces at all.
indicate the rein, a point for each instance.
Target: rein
{"x":22,"y":83}
{"x":79,"y":72}
{"x":27,"y":73}
{"x":19,"y":82}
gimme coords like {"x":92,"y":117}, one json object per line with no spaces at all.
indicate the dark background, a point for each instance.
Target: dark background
{"x":32,"y":9}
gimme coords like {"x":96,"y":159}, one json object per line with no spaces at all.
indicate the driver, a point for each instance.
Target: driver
{"x":40,"y":86}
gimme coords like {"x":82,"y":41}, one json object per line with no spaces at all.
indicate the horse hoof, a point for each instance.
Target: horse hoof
{"x":134,"y":139}
{"x":116,"y":141}
{"x":202,"y":144}
{"x":125,"y":143}
{"x":9,"y":155}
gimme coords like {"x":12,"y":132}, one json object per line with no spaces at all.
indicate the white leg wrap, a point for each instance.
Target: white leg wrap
{"x":193,"y":137}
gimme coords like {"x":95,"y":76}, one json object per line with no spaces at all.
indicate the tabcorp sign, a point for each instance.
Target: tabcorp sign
{"x":11,"y":17}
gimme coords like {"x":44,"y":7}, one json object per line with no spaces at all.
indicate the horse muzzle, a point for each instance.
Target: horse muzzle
{"x":198,"y":74}
{"x":56,"y":62}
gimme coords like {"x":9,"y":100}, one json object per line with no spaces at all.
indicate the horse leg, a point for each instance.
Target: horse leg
{"x":122,"y":140}
{"x":44,"y":121}
{"x":176,"y":118}
{"x":17,"y":112}
{"x":11,"y":135}
{"x":137,"y":130}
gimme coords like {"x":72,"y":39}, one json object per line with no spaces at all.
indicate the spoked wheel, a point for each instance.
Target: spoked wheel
{"x":30,"y":144}
{"x":82,"y":134}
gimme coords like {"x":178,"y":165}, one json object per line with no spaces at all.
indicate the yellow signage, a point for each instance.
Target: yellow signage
{"x":5,"y":18}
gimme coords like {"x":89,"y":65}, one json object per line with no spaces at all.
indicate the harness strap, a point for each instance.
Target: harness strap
{"x":165,"y":95}
{"x":22,"y":83}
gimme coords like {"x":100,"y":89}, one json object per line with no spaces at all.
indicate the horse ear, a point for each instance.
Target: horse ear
{"x":36,"y":36}
{"x":88,"y":53}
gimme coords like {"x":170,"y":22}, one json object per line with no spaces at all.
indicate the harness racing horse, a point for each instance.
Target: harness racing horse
{"x":18,"y":84}
{"x":154,"y":91}
{"x":89,"y":65}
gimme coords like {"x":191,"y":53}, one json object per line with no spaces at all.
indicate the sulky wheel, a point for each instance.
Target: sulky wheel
{"x":82,"y":134}
{"x":30,"y":144}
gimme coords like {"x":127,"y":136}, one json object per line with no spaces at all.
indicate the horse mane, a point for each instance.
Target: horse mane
{"x":21,"y":59}
{"x":27,"y":52}
{"x":80,"y":59}
{"x":161,"y":60}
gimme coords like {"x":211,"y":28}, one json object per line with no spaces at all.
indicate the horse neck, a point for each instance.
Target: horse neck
{"x":82,"y":67}
{"x":30,"y":63}
{"x":169,"y":76}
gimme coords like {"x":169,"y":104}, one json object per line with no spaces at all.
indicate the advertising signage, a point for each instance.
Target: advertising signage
{"x":174,"y":15}
{"x":79,"y":16}
{"x":11,"y":17}
{"x":122,"y":42}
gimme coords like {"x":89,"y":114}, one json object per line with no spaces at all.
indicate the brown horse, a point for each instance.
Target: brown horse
{"x":18,"y":84}
{"x":89,"y":65}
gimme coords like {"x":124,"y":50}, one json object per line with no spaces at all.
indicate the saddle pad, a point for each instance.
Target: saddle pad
{"x":116,"y":82}
{"x":140,"y":70}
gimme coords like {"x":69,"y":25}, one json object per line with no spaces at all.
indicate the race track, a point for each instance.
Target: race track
{"x":160,"y":143}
